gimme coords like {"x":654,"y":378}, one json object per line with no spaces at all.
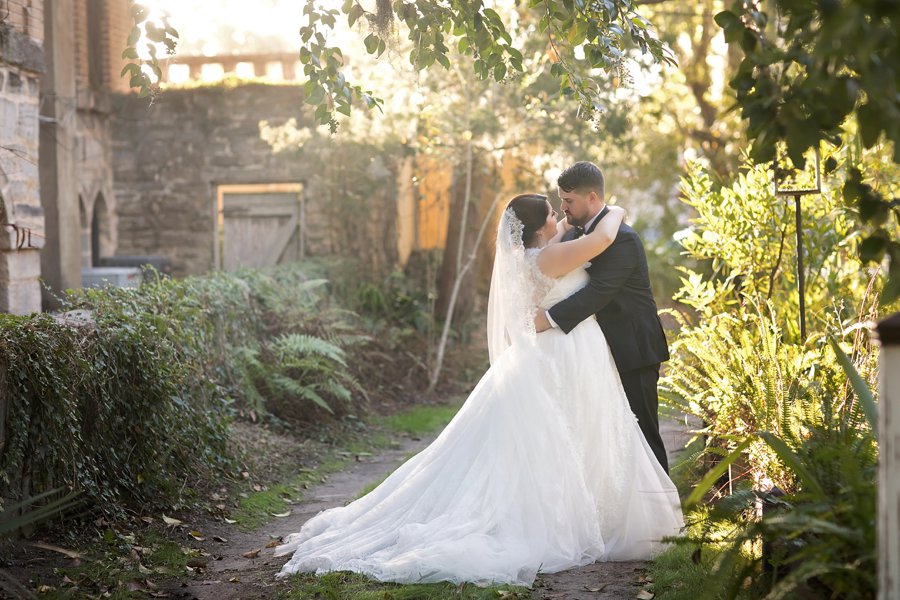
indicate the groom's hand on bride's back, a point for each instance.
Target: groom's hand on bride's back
{"x":541,"y":322}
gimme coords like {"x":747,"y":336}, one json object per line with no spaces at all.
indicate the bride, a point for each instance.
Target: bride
{"x":544,"y":467}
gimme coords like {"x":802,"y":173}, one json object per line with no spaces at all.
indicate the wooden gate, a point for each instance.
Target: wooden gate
{"x":259,"y":225}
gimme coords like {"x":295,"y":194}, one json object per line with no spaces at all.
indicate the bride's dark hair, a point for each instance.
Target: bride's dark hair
{"x":532,"y":210}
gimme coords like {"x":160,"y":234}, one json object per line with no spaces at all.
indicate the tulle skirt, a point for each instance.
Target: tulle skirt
{"x":544,"y":468}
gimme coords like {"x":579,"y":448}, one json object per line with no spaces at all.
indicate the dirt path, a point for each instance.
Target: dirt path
{"x":230,"y":575}
{"x":233,"y":576}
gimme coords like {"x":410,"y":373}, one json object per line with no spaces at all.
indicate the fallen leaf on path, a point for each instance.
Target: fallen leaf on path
{"x":220,"y":539}
{"x":273,"y":543}
{"x":252,"y":553}
{"x":171,"y":521}
{"x":143,"y":570}
{"x":197,"y":536}
{"x":595,"y":589}
{"x":235,"y":580}
{"x":645,"y":595}
{"x":46,"y":589}
{"x":230,"y":521}
{"x":70,"y":553}
{"x":196,"y":563}
{"x":281,"y":515}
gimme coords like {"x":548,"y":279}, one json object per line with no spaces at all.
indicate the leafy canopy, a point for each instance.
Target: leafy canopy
{"x":808,"y":69}
{"x":436,"y":28}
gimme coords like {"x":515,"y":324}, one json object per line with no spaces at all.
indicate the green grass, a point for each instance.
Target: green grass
{"x":109,"y":576}
{"x":351,"y":586}
{"x":258,"y":508}
{"x":680,"y":573}
{"x":421,"y":420}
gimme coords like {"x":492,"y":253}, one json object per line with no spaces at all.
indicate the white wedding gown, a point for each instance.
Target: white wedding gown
{"x":544,"y":468}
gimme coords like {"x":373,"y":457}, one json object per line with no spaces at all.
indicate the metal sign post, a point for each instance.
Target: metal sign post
{"x":797,"y":192}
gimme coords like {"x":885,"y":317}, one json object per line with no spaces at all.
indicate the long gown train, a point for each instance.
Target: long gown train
{"x":543,"y":468}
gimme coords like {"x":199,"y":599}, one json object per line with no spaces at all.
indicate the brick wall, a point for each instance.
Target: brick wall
{"x":79,"y":20}
{"x":24,"y":16}
{"x":117,"y":24}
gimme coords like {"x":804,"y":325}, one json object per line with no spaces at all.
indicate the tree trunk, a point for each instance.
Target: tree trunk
{"x":463,"y":210}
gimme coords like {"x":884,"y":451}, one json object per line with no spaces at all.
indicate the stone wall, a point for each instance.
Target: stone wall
{"x":170,"y":155}
{"x":21,"y":217}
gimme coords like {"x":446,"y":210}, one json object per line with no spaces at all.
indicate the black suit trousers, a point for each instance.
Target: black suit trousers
{"x":640,"y":388}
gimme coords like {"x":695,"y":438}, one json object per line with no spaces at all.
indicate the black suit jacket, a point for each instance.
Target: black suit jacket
{"x":619,"y":294}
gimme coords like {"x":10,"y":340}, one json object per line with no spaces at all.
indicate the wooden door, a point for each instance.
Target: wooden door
{"x":259,"y":225}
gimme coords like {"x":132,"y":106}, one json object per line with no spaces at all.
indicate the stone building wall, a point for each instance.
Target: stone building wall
{"x":84,"y":42}
{"x":24,"y":16}
{"x":21,"y":217}
{"x":170,"y":156}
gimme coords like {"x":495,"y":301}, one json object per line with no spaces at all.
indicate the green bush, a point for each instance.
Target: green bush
{"x":135,"y":401}
{"x":819,"y":539}
{"x":779,"y":408}
{"x":738,"y":363}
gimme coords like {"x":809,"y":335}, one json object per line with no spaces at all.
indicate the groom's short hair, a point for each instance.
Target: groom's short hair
{"x":582,"y":175}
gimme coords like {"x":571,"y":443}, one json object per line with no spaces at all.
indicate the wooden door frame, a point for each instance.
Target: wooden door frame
{"x":221,"y":189}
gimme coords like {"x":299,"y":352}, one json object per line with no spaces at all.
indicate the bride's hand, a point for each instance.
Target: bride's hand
{"x":617,"y":210}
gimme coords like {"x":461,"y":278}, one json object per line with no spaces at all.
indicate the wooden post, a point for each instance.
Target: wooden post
{"x":889,"y":459}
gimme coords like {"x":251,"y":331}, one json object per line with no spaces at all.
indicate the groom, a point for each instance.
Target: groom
{"x":619,"y":294}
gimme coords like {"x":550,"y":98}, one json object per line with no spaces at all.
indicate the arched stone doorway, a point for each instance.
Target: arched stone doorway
{"x":101,"y":231}
{"x":86,"y":256}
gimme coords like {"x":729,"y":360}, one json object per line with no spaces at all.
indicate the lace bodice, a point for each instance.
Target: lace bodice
{"x":547,"y":291}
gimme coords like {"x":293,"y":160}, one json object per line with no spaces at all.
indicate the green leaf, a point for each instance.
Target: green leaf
{"x":323,"y":115}
{"x":710,"y":478}
{"x":873,"y":248}
{"x":793,"y":462}
{"x":726,"y":19}
{"x":859,"y":385}
{"x":317,"y":95}
{"x":134,"y":36}
{"x":371,"y":42}
{"x":355,"y":13}
{"x":870,"y":124}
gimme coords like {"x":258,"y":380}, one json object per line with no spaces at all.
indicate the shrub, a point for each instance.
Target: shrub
{"x":134,"y":402}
